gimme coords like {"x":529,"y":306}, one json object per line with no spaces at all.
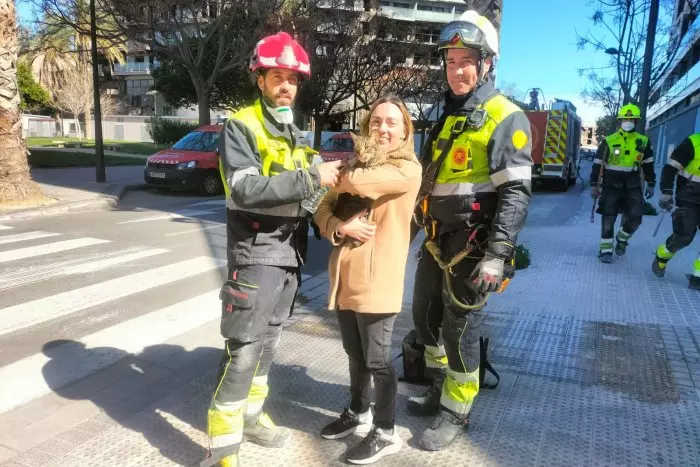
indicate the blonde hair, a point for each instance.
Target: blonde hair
{"x":398,"y":102}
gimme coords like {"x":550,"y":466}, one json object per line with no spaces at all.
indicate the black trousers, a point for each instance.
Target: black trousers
{"x":686,"y":222}
{"x":367,"y":342}
{"x":438,"y":311}
{"x":615,"y":200}
{"x":255,"y":301}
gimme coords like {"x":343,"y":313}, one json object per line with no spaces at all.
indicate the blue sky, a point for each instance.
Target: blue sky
{"x":538,"y":48}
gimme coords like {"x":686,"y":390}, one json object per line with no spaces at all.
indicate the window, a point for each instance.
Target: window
{"x":427,"y":34}
{"x":337,"y":144}
{"x":437,"y":9}
{"x":198,"y":141}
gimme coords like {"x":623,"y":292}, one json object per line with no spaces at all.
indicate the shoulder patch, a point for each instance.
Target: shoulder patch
{"x":519,"y":139}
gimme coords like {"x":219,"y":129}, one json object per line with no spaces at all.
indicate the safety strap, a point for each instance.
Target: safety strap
{"x":485,"y":365}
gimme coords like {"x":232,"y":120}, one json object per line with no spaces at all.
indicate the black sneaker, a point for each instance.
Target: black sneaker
{"x":376,"y":445}
{"x":605,"y":257}
{"x":347,"y":424}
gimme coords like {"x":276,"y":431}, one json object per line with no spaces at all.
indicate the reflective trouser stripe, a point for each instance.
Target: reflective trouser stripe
{"x":257,"y":395}
{"x":623,"y":236}
{"x":606,"y":245}
{"x":225,"y":424}
{"x":663,"y":252}
{"x":435,"y":357}
{"x":696,"y":272}
{"x":459,"y":391}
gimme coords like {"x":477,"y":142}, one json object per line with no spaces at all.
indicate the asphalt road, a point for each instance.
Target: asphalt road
{"x":133,"y":276}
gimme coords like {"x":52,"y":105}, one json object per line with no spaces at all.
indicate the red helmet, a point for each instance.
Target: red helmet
{"x":280,"y":51}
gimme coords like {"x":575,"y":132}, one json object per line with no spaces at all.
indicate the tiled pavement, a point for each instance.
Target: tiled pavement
{"x":599,"y":364}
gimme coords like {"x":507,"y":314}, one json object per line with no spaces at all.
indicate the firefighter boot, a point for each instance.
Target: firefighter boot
{"x":428,"y":403}
{"x":605,"y":257}
{"x":694,"y":283}
{"x":446,"y":426}
{"x":658,"y":267}
{"x":261,"y":430}
{"x":620,"y":248}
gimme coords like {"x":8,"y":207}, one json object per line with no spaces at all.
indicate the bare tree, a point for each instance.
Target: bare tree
{"x":186,"y":30}
{"x":71,"y":97}
{"x":619,"y":29}
{"x":16,"y":185}
{"x":492,"y":9}
{"x":109,"y":105}
{"x":511,"y":89}
{"x":424,"y":98}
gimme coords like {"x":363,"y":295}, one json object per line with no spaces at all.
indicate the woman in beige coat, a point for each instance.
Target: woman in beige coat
{"x":366,"y":281}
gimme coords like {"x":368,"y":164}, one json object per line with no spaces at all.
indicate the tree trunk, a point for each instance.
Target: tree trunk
{"x":203,"y":104}
{"x":319,"y":120}
{"x":16,"y":185}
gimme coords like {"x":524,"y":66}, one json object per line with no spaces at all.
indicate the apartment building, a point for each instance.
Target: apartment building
{"x":674,"y":102}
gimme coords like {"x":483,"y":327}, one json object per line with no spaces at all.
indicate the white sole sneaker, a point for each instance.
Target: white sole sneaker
{"x":387,"y":451}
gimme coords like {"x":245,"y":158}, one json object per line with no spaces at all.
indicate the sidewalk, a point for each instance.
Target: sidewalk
{"x":107,"y":152}
{"x":75,"y":189}
{"x":599,"y":365}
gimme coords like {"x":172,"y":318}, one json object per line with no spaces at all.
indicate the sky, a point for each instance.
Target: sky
{"x":538,"y":49}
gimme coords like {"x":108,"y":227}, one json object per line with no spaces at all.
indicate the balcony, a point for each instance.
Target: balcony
{"x":411,"y":14}
{"x":133,"y":68}
{"x":434,"y":16}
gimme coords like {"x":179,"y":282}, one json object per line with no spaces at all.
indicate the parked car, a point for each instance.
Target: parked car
{"x":190,"y":164}
{"x":337,"y":147}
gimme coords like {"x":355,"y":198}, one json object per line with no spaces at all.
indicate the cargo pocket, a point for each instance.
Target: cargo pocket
{"x":240,"y":320}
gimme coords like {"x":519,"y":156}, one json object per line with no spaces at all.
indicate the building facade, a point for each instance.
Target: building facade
{"x":674,"y":102}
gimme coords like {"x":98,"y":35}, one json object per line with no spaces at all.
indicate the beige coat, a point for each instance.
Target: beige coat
{"x":369,"y":278}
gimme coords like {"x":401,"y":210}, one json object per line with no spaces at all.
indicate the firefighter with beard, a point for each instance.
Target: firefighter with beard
{"x":267,"y":172}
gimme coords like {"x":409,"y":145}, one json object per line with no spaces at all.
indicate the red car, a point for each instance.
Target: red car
{"x":337,"y":147}
{"x":190,"y":164}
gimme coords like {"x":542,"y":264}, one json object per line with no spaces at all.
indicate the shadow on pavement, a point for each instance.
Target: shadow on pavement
{"x":142,"y":392}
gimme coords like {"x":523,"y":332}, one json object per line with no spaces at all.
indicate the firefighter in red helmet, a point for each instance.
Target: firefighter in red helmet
{"x":267,"y":171}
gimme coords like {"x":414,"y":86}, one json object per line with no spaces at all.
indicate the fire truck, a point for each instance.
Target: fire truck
{"x":556,"y":139}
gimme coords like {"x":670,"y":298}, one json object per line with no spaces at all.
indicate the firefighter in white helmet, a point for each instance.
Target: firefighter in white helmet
{"x":266,"y":168}
{"x":472,"y":205}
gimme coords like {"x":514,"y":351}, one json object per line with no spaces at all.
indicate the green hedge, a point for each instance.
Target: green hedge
{"x":522,"y":257}
{"x":167,"y":131}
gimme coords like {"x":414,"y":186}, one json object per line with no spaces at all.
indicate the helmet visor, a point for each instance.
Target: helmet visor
{"x":461,"y":34}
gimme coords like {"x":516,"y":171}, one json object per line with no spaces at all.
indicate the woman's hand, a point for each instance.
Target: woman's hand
{"x":357,"y":228}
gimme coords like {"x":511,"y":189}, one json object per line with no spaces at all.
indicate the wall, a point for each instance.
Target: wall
{"x":666,"y":136}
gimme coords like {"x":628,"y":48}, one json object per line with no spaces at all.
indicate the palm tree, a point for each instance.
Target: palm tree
{"x":63,"y":46}
{"x":16,"y":185}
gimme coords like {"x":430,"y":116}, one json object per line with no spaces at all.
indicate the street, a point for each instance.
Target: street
{"x":67,"y":277}
{"x":109,"y":344}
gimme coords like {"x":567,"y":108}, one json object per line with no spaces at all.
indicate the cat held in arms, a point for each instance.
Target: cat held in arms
{"x":368,"y":153}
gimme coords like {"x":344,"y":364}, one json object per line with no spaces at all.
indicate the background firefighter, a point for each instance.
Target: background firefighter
{"x":623,"y":155}
{"x":266,"y":168}
{"x":472,"y":209}
{"x":683,"y":166}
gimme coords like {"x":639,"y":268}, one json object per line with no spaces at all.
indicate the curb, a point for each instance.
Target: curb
{"x":108,"y":200}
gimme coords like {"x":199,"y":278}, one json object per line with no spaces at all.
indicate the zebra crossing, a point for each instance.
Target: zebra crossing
{"x":48,"y":276}
{"x":51,"y":281}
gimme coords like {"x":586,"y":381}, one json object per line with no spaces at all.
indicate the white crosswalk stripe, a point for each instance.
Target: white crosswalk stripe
{"x":23,"y":237}
{"x":29,"y":252}
{"x":20,"y":276}
{"x":25,"y":380}
{"x":44,"y":309}
{"x":5,"y":227}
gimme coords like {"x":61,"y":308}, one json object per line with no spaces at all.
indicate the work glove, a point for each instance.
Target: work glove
{"x":666,"y":202}
{"x":595,"y":191}
{"x":649,"y":191}
{"x":488,"y":275}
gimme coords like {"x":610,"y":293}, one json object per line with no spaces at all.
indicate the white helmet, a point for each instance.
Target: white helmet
{"x":471,"y":30}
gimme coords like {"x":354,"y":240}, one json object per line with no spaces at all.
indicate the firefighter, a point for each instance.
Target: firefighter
{"x":267,"y":172}
{"x":472,"y":205}
{"x":684,"y":166}
{"x":626,"y":160}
